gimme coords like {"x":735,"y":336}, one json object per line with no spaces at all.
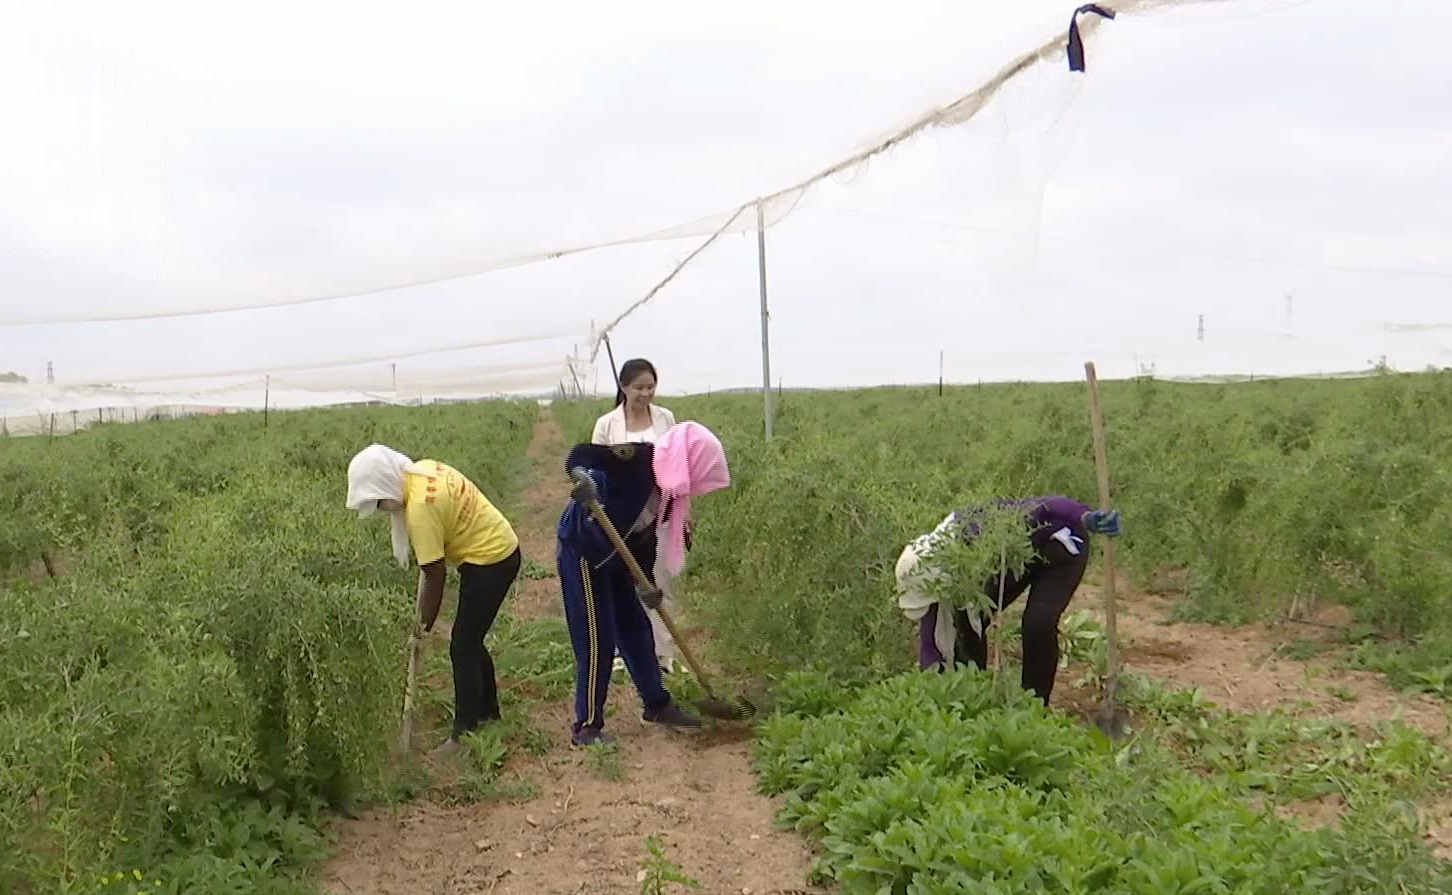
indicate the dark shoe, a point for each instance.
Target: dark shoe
{"x":448,"y":749}
{"x":591,"y":736}
{"x":672,"y":715}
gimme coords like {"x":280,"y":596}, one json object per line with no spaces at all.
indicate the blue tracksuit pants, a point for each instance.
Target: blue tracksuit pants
{"x":604,"y":614}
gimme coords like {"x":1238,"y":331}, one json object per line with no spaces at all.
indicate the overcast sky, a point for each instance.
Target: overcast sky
{"x":1214,"y":159}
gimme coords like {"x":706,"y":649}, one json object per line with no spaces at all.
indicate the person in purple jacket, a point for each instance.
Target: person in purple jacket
{"x":1058,"y":529}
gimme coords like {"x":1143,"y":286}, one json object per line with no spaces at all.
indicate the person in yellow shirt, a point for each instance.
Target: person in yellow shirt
{"x":446,"y":521}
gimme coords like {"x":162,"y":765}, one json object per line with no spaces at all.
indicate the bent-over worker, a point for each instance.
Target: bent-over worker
{"x":1058,"y":530}
{"x":440,"y":513}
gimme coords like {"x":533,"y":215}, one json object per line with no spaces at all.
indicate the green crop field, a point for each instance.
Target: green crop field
{"x":202,"y":651}
{"x":218,"y":656}
{"x":1247,"y":499}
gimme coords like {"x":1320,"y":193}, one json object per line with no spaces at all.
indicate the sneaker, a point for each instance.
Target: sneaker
{"x":591,"y":736}
{"x":667,"y":664}
{"x":672,"y":715}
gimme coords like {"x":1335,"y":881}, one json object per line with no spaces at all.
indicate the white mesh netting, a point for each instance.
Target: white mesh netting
{"x":213,"y":209}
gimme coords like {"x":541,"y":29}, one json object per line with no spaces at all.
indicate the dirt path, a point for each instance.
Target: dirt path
{"x":540,"y":505}
{"x":583,"y":833}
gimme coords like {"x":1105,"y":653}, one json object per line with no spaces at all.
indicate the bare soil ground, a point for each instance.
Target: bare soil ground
{"x":584,"y":832}
{"x":1246,"y":668}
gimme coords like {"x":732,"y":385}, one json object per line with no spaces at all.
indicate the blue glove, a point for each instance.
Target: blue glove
{"x":1104,"y":522}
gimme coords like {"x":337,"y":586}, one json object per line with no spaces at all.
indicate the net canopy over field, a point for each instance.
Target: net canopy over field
{"x":257,"y":204}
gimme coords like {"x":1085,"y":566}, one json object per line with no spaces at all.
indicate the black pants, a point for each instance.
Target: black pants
{"x":1051,"y":581}
{"x":481,"y":592}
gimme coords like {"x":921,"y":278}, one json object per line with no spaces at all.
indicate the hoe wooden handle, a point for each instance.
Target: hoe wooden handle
{"x":643,"y":581}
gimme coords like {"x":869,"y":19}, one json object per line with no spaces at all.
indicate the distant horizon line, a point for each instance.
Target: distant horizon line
{"x":556,"y":393}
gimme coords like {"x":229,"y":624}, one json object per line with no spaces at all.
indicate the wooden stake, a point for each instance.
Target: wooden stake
{"x":1101,"y":465}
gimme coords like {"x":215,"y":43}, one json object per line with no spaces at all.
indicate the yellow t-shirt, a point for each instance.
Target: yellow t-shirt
{"x":449,"y":518}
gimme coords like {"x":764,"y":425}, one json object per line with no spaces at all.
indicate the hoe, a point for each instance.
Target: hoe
{"x":733,"y":710}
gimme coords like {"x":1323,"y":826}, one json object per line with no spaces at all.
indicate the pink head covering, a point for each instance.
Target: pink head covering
{"x":688,"y":461}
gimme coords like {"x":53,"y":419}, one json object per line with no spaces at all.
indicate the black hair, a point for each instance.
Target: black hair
{"x":628,"y":371}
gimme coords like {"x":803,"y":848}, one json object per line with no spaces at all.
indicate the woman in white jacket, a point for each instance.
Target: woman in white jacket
{"x":638,"y":419}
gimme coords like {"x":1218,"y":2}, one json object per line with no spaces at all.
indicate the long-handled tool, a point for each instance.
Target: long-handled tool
{"x":415,"y":652}
{"x":1110,"y":717}
{"x":738,"y":709}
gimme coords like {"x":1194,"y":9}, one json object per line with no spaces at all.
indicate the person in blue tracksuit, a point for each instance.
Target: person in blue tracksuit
{"x":602,"y":609}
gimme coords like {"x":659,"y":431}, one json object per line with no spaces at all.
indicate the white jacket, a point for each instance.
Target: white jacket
{"x":914,"y":573}
{"x":610,"y":428}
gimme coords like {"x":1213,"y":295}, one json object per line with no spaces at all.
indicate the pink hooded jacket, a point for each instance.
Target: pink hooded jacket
{"x":688,"y":462}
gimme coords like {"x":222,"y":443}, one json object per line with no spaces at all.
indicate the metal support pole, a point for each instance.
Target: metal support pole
{"x":765,"y":340}
{"x":579,"y":391}
{"x":614,"y":370}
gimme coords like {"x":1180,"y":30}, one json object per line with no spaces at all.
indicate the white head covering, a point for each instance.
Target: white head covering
{"x":915,"y":574}
{"x":377,"y":473}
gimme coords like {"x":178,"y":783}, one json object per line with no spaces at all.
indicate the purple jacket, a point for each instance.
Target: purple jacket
{"x":1044,"y":516}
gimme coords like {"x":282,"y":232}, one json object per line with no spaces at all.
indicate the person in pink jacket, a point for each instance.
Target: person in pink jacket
{"x":638,"y":419}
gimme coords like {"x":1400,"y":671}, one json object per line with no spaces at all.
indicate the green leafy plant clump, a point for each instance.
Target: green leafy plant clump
{"x":217,"y":655}
{"x":1286,"y":758}
{"x":661,"y":875}
{"x":929,"y":783}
